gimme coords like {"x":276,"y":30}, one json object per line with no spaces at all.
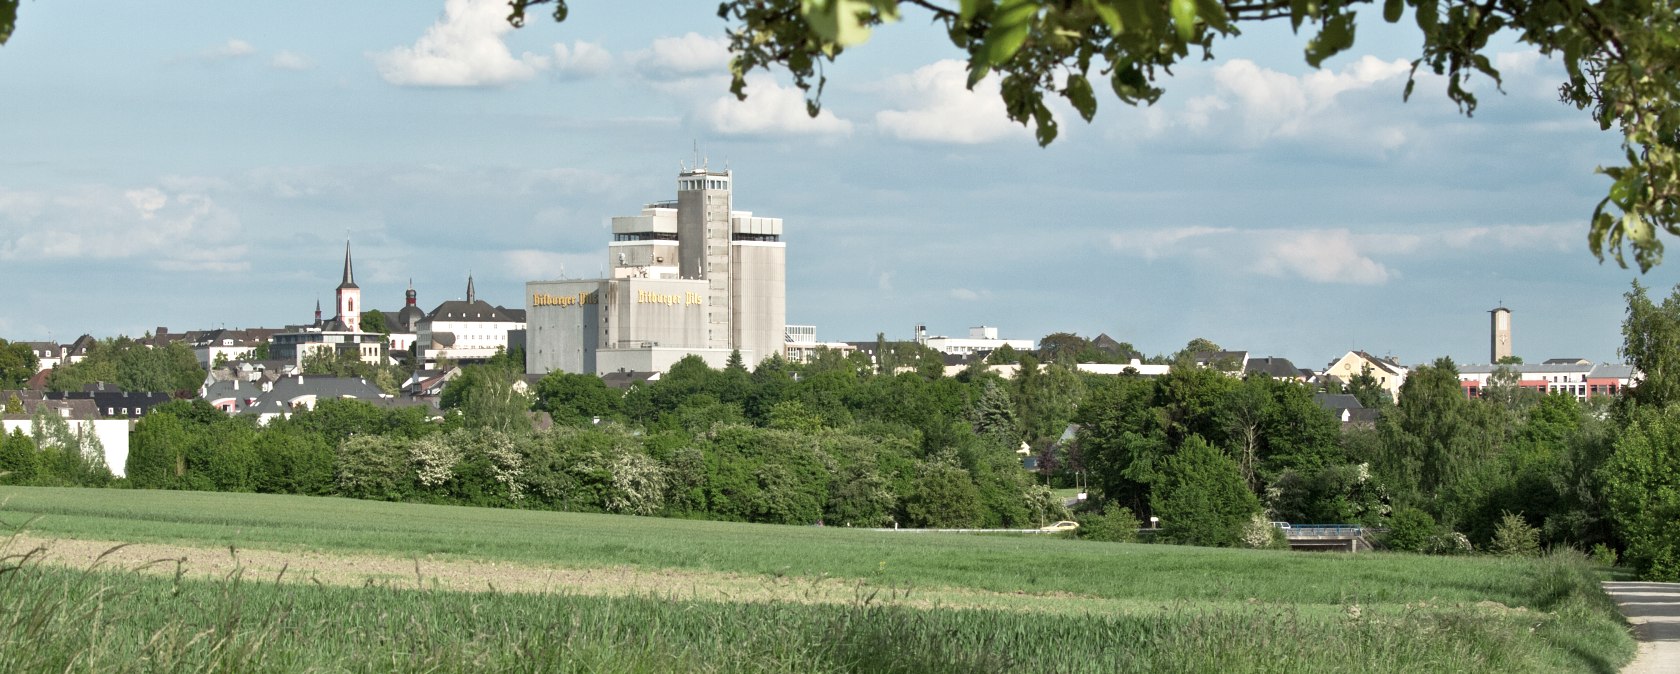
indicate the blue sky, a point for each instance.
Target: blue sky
{"x":199,"y":164}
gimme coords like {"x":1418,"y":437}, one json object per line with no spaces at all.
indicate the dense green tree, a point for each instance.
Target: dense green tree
{"x":17,"y":363}
{"x":944,"y":496}
{"x":1059,"y":346}
{"x":292,"y":462}
{"x":375,"y":321}
{"x":1124,"y":440}
{"x":1003,"y":355}
{"x":19,"y":463}
{"x":993,"y":414}
{"x":1201,"y":498}
{"x":1640,"y":481}
{"x":1651,"y":344}
{"x":1047,"y":398}
{"x":131,"y":366}
{"x":157,"y":451}
{"x":577,"y":398}
{"x":485,"y":397}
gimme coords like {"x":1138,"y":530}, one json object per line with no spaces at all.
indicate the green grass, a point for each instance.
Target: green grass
{"x":1195,"y":609}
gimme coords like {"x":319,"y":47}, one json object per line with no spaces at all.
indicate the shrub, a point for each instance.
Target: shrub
{"x":1604,"y":555}
{"x":1449,"y":543}
{"x":1203,"y":500}
{"x":1515,"y":536}
{"x":1115,"y":524}
{"x":1410,"y":530}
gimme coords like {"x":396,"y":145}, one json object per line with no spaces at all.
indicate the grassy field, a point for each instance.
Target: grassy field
{"x":1155,"y":608}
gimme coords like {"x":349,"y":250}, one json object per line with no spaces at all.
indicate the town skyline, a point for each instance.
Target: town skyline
{"x":205,"y":174}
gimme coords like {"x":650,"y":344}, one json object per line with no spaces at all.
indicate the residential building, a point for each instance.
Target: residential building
{"x":1388,"y":372}
{"x":1582,"y":380}
{"x":691,"y":276}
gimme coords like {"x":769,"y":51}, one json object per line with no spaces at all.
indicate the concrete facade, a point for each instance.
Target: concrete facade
{"x":689,"y":276}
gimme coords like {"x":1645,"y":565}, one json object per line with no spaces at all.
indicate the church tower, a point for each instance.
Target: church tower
{"x":349,"y":296}
{"x":1501,"y":335}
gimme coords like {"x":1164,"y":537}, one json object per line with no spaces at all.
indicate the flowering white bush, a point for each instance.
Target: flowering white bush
{"x":507,"y":465}
{"x":638,"y":485}
{"x":434,"y":458}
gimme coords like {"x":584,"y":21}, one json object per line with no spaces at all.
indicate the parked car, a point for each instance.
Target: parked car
{"x":1063,"y":525}
{"x":1281,"y":525}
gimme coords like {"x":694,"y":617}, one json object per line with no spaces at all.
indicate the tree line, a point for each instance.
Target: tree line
{"x":844,"y":441}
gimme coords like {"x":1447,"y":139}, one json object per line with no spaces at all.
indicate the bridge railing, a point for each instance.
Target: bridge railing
{"x":1328,"y":531}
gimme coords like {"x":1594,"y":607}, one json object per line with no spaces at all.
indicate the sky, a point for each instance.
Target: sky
{"x":200,"y":164}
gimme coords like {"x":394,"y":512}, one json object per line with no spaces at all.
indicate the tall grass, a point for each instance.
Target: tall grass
{"x":54,"y":619}
{"x":1185,"y":609}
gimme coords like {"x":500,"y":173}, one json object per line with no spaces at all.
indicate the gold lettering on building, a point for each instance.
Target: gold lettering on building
{"x":670,"y":299}
{"x":547,"y":300}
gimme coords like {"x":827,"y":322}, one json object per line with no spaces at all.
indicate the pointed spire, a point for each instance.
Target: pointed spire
{"x":470,"y":294}
{"x":410,"y":293}
{"x":317,"y":310}
{"x":349,"y":273}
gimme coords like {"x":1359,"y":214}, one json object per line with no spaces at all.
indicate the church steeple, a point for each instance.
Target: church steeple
{"x":470,"y":294}
{"x":349,"y":294}
{"x":317,"y":311}
{"x":410,"y":295}
{"x":349,"y":272}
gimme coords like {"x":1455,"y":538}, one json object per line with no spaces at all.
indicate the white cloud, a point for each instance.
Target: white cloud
{"x":230,"y":50}
{"x":581,"y":60}
{"x":675,"y":58}
{"x":883,"y":281}
{"x":937,"y":106}
{"x":770,"y":109}
{"x":147,"y":201}
{"x":1157,"y":243}
{"x":1517,"y":62}
{"x":179,"y":231}
{"x":463,"y":49}
{"x":1274,"y":103}
{"x":1322,"y":256}
{"x":543,"y":264}
{"x":1336,"y":255}
{"x":286,"y":60}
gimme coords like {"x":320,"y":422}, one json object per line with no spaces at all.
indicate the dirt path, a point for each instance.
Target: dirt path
{"x":346,"y":569}
{"x":1654,"y":611}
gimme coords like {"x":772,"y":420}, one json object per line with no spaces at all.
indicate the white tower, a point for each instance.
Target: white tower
{"x":349,"y":296}
{"x":1501,"y":337}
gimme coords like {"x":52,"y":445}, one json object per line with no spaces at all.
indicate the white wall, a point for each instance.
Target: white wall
{"x":112,"y":433}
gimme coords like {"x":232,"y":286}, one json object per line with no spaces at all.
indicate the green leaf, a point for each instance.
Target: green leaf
{"x":841,"y":22}
{"x":8,"y":18}
{"x":971,"y":8}
{"x":1079,"y":93}
{"x":1109,"y":15}
{"x":1426,"y":15}
{"x":1392,"y":10}
{"x":1010,"y":26}
{"x":1184,"y":17}
{"x":977,"y":73}
{"x":1336,"y":36}
{"x":1212,"y":12}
